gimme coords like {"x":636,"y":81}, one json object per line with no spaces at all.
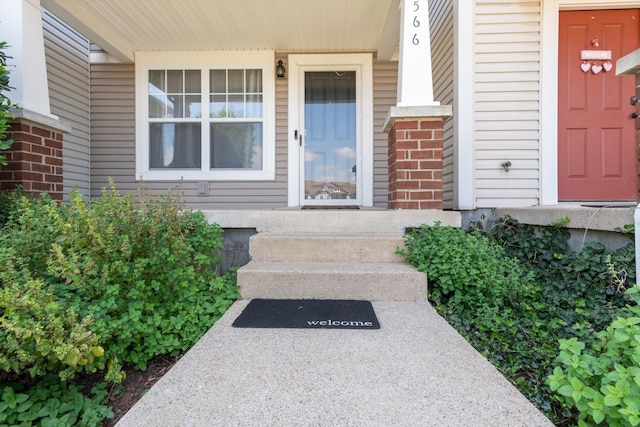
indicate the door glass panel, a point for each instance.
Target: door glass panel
{"x":330,"y":139}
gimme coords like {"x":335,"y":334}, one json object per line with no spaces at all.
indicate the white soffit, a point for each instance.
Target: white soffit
{"x":122,"y":27}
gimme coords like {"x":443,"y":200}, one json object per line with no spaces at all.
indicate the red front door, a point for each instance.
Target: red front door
{"x":596,"y":136}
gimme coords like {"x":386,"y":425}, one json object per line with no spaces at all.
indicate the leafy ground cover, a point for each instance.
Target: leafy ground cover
{"x":548,"y":318}
{"x":89,"y":289}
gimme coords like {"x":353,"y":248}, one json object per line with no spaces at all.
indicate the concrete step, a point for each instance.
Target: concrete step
{"x":366,"y":220}
{"x":332,"y":280}
{"x":330,"y":247}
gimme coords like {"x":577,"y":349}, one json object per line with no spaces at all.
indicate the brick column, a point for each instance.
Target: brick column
{"x":415,"y":156}
{"x":34,"y":159}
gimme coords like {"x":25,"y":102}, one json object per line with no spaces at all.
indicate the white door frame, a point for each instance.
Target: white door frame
{"x":362,"y":63}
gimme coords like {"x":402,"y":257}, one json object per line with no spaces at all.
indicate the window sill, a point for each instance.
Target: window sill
{"x":198,"y":175}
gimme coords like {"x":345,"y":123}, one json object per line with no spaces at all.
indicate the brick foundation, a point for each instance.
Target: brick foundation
{"x":415,"y":163}
{"x":34,"y":159}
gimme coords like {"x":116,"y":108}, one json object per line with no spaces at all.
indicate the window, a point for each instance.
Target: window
{"x":205,"y":116}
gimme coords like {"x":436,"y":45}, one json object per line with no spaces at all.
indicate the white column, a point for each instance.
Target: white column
{"x":21,"y":28}
{"x":415,"y":79}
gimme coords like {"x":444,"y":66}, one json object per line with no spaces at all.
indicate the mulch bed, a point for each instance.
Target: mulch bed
{"x":135,"y":385}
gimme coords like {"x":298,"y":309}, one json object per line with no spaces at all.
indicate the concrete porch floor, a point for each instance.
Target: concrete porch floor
{"x":296,"y":220}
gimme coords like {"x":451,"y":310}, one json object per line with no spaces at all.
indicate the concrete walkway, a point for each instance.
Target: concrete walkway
{"x":414,"y":371}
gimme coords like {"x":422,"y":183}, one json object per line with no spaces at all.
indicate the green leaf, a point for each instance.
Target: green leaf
{"x":598,"y":416}
{"x":611,"y":400}
{"x":576,"y":396}
{"x":589,"y":393}
{"x":24,"y":406}
{"x":566,"y":390}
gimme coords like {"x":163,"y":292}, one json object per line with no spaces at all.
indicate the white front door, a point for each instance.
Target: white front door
{"x":330,"y":128}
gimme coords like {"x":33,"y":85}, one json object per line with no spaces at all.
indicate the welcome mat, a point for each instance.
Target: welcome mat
{"x":308,"y":313}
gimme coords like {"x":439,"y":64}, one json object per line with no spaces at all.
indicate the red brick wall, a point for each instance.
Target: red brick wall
{"x":415,"y":164}
{"x":34,"y":159}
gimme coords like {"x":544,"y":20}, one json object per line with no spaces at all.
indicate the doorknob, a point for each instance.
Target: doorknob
{"x":634,"y":115}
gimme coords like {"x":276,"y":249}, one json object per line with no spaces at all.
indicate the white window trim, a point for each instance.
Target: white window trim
{"x":146,"y":61}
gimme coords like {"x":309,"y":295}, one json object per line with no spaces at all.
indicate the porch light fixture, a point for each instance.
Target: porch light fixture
{"x":280,"y":70}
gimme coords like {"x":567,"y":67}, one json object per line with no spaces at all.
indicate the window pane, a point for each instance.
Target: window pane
{"x":236,"y":146}
{"x":254,"y":106}
{"x":175,"y":106}
{"x":174,"y":81}
{"x":218,"y":81}
{"x":174,"y":145}
{"x":236,"y":106}
{"x":156,"y":81}
{"x":236,"y":81}
{"x":218,"y":106}
{"x":192,"y":81}
{"x":254,"y":81}
{"x":157,"y":106}
{"x":193,"y":106}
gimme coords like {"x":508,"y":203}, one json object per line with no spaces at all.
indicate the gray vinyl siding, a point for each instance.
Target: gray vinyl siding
{"x":67,"y":59}
{"x":385,"y":87}
{"x":507,"y":95}
{"x":113,"y":148}
{"x":112,"y":127}
{"x":441,"y":26}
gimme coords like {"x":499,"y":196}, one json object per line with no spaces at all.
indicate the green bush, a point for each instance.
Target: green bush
{"x":93,"y":287}
{"x":515,"y":290}
{"x":142,"y":274}
{"x":8,"y":201}
{"x":37,"y":332}
{"x":5,"y":104}
{"x":50,"y":403}
{"x":603,"y":382}
{"x":470,"y":271}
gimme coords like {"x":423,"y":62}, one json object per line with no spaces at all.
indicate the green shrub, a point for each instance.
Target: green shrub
{"x":92,"y":287}
{"x":470,"y":272}
{"x":583,"y":290}
{"x":50,"y":403}
{"x":141,"y":273}
{"x":5,"y":104}
{"x":515,"y":290}
{"x":37,"y":332}
{"x":603,"y":382}
{"x":8,"y":201}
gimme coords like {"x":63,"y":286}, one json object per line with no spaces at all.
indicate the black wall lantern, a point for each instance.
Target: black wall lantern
{"x":280,"y":70}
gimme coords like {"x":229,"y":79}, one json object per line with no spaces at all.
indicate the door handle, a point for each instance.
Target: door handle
{"x":634,"y":116}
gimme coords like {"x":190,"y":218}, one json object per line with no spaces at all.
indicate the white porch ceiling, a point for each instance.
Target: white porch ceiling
{"x":122,"y":27}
